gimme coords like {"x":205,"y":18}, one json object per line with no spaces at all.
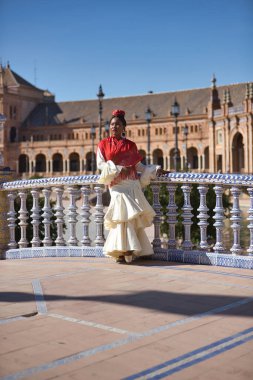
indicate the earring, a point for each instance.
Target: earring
{"x":123,"y":134}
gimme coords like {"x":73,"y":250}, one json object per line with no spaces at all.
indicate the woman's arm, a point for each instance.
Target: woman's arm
{"x":108,"y":169}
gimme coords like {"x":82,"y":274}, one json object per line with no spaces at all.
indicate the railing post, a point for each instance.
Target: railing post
{"x":172,"y":215}
{"x":157,"y":219}
{"x":203,"y":216}
{"x":47,"y":214}
{"x":85,"y":213}
{"x":99,"y":217}
{"x":187,"y":216}
{"x":72,"y":214}
{"x":12,"y":219}
{"x":218,"y":217}
{"x":236,"y":219}
{"x":35,"y":218}
{"x":250,"y":219}
{"x":59,"y":213}
{"x":23,"y":216}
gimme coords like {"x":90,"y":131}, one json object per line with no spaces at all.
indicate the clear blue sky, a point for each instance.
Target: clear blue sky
{"x":129,"y":46}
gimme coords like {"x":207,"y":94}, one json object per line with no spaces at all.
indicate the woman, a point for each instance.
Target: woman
{"x":129,"y":212}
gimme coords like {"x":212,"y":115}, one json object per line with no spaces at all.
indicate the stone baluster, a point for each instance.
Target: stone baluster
{"x":47,"y":214}
{"x":172,"y":215}
{"x":99,"y":217}
{"x":12,"y":219}
{"x":250,"y":219}
{"x":35,"y":218}
{"x":157,"y":219}
{"x":219,"y":217}
{"x":72,"y":214}
{"x":23,"y":216}
{"x":59,"y":213}
{"x":236,"y":219}
{"x":85,"y":213}
{"x":203,"y":216}
{"x":187,"y":216}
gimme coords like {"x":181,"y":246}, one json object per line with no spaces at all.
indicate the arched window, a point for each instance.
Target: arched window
{"x":206,"y":154}
{"x":13,"y":134}
{"x":158,"y":157}
{"x":238,"y":153}
{"x":172,"y":159}
{"x":91,"y":164}
{"x":23,"y":163}
{"x":74,"y":162}
{"x":57,"y":162}
{"x":40,"y":163}
{"x":192,"y":155}
{"x":143,"y":153}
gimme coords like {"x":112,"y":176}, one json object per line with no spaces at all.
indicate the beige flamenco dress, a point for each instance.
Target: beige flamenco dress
{"x":129,"y":213}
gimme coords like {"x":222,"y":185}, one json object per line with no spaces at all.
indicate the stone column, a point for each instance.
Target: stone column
{"x":4,"y":205}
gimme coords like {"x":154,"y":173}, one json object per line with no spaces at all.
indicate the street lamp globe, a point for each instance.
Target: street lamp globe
{"x":93,"y":131}
{"x":175,"y":109}
{"x":186,"y":131}
{"x":100,"y":93}
{"x":148,"y":115}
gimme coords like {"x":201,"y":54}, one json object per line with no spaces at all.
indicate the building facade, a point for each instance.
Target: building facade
{"x":42,"y":137}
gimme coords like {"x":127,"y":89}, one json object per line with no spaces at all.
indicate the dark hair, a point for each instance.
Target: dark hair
{"x":121,"y":118}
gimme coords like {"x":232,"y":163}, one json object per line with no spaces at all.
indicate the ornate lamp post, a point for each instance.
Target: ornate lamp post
{"x":100,"y":96}
{"x":107,"y":128}
{"x":93,"y":135}
{"x":148,"y":115}
{"x":175,"y":111}
{"x":185,"y":137}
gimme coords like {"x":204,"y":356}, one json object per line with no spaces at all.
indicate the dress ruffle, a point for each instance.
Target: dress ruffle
{"x":128,"y":214}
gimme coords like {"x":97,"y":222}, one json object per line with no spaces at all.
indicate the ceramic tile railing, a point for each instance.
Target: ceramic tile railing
{"x":86,"y":186}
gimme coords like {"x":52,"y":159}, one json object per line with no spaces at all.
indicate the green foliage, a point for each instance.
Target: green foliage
{"x":195,"y":199}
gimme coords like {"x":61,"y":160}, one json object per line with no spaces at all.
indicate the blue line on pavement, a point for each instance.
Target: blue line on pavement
{"x":12,"y":319}
{"x":191,"y":358}
{"x":39,"y":298}
{"x":207,"y":271}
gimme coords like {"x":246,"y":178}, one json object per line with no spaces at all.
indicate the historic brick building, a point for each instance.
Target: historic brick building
{"x":43,"y":137}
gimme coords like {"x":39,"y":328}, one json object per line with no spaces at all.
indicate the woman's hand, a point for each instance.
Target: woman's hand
{"x":160,"y":172}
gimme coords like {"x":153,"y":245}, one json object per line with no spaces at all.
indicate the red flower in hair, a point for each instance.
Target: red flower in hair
{"x":118,"y":113}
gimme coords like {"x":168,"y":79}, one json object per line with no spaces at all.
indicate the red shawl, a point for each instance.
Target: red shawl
{"x":122,"y":152}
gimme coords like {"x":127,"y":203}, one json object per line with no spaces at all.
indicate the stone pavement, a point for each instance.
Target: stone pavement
{"x":90,"y":318}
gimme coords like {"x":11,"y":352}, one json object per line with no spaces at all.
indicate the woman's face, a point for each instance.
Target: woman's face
{"x":116,"y":127}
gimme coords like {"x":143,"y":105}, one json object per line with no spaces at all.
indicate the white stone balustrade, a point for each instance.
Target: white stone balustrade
{"x":74,"y":217}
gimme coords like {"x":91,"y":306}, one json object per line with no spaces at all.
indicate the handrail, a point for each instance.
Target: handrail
{"x":204,"y":178}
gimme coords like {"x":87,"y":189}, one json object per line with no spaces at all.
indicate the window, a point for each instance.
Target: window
{"x":13,"y":134}
{"x":219,"y":137}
